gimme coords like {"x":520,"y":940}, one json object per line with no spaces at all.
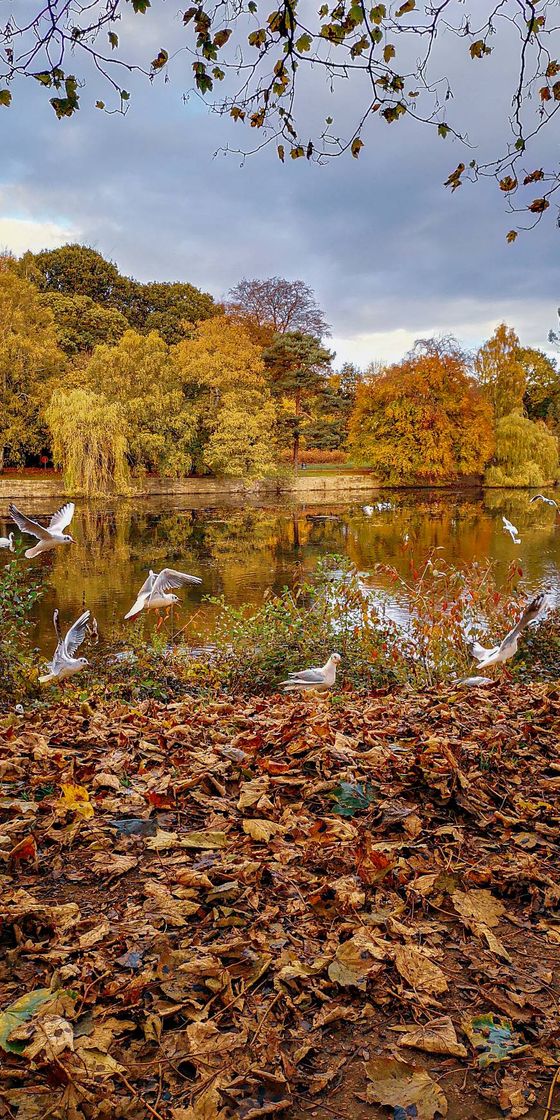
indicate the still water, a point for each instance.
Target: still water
{"x":240,"y":549}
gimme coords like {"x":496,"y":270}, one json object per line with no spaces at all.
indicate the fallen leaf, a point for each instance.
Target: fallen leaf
{"x":18,"y":1013}
{"x":415,"y":966}
{"x":437,"y":1037}
{"x":75,"y":799}
{"x":404,"y":1088}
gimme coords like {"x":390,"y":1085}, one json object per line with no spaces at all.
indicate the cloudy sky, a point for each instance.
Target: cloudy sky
{"x":391,"y":254}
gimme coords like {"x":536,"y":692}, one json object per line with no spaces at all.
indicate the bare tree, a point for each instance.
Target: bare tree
{"x":284,"y":305}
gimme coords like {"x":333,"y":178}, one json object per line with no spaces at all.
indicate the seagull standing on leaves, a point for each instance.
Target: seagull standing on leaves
{"x":513,"y":532}
{"x":8,"y":542}
{"x":154,"y":595}
{"x":64,"y":664}
{"x":313,"y":680}
{"x":50,"y":536}
{"x":498,"y":654}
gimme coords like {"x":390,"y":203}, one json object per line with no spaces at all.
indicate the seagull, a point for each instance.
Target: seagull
{"x":8,"y":542}
{"x":64,"y":664}
{"x":513,"y":532}
{"x":541,"y":498}
{"x":154,"y":593}
{"x":49,"y":537}
{"x":313,"y":680}
{"x":498,"y":654}
{"x":475,"y":682}
{"x":368,"y":510}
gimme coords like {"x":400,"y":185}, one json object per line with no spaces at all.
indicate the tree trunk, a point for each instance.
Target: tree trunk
{"x":295,"y":454}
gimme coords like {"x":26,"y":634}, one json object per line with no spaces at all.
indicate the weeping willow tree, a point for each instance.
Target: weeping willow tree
{"x":526,"y":453}
{"x":89,"y":441}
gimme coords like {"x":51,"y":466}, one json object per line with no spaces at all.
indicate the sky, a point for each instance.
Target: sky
{"x":391,"y":254}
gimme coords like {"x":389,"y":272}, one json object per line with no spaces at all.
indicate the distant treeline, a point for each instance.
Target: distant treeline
{"x":107,"y":377}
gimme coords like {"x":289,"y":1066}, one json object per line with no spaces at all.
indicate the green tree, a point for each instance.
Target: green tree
{"x":170,"y":308}
{"x":526,"y":453}
{"x":82,"y":324}
{"x":422,"y":420}
{"x":29,"y":356}
{"x":332,"y":408}
{"x":89,"y":441}
{"x":542,"y":391}
{"x":222,"y":373}
{"x":500,"y":371}
{"x":138,"y":374}
{"x":297,"y":366}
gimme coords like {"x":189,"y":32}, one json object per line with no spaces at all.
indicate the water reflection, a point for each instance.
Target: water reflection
{"x":240,"y":550}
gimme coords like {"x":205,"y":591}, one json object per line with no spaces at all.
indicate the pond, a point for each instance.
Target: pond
{"x":241,"y":549}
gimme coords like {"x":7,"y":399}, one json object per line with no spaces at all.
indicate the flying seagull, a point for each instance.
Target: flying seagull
{"x":50,"y":536}
{"x":313,"y":680}
{"x":64,"y":663}
{"x":8,"y":542}
{"x":541,"y":498}
{"x":513,"y":532}
{"x":155,"y":592}
{"x":498,"y":654}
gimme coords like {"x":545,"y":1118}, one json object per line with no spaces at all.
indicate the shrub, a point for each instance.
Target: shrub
{"x":20,"y":588}
{"x":526,"y":453}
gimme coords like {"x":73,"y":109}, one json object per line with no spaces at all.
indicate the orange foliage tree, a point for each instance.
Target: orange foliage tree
{"x":423,"y":419}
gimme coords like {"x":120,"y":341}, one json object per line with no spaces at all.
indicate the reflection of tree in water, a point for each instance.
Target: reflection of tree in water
{"x":241,"y":551}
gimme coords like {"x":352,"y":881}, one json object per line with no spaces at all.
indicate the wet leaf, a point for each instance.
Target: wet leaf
{"x":19,"y":1012}
{"x":404,"y":1088}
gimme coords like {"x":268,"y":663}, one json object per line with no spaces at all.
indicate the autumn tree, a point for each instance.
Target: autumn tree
{"x":500,"y":371}
{"x":89,"y":441}
{"x":542,"y":386}
{"x":526,"y":453}
{"x":297,"y":366}
{"x":423,"y":419}
{"x":410,"y":61}
{"x":82,"y":324}
{"x":222,"y":375}
{"x":139,"y":375}
{"x":171,"y":309}
{"x":29,"y":356}
{"x":280,"y":305}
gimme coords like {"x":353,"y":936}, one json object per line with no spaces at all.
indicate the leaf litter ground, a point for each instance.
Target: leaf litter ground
{"x":256,"y":908}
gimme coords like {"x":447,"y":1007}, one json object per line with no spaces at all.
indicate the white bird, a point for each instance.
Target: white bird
{"x":64,"y":664}
{"x":541,"y":498}
{"x":475,"y":682}
{"x":313,"y":680}
{"x":498,"y":654}
{"x":155,"y":592}
{"x":368,"y":510}
{"x":513,"y":532}
{"x":8,"y":542}
{"x":50,"y":536}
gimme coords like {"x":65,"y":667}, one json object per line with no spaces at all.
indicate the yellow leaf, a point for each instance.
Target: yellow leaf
{"x":76,"y":799}
{"x":418,"y":970}
{"x":261,"y":829}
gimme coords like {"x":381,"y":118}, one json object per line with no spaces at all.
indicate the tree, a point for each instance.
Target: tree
{"x":423,"y":419}
{"x":332,"y":408}
{"x":77,"y":270}
{"x":264,"y":54}
{"x":222,"y":373}
{"x":29,"y":355}
{"x":554,"y":336}
{"x":89,"y":441}
{"x":297,"y":365}
{"x":139,"y":375}
{"x":281,"y":305}
{"x":82,"y":324}
{"x":542,"y":391}
{"x":526,"y":453}
{"x":500,"y":371}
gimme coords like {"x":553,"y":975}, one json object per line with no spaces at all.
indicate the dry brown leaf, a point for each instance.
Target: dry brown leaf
{"x":479,"y":906}
{"x":403,"y":1087}
{"x":415,"y":966}
{"x":437,"y":1037}
{"x":262,"y":830}
{"x":356,"y":960}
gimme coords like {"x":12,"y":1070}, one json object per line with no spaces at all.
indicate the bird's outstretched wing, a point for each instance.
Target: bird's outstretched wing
{"x":532,"y":610}
{"x":148,"y":584}
{"x":76,"y":634}
{"x":62,"y":518}
{"x":168,"y":578}
{"x":27,"y":525}
{"x":480,"y":652}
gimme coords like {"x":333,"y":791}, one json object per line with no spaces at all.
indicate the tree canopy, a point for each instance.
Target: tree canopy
{"x":411,"y":60}
{"x":526,"y":453}
{"x":501,"y":372}
{"x":422,"y":419}
{"x":281,"y":305}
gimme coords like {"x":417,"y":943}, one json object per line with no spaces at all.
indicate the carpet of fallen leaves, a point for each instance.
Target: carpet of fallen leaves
{"x":334,"y":909}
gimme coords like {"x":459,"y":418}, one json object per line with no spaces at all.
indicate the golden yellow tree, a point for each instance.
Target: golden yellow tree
{"x":501,"y":372}
{"x":422,"y":420}
{"x":222,"y":372}
{"x":89,"y":441}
